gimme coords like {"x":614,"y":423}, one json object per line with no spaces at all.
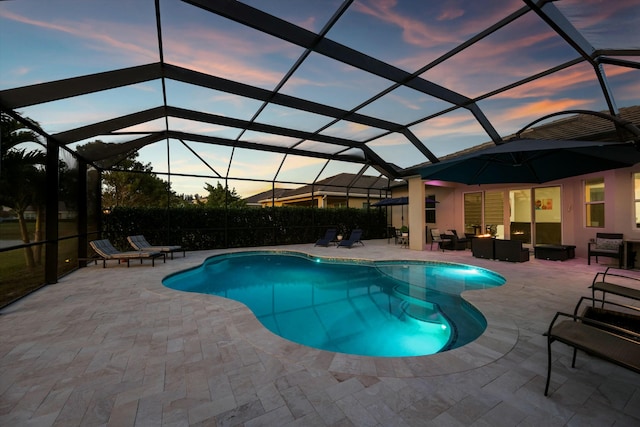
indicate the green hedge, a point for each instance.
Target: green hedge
{"x":216,"y":228}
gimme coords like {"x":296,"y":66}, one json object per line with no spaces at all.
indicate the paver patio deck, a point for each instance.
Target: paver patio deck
{"x":115,"y":347}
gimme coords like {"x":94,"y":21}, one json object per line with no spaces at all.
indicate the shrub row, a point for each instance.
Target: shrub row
{"x":217,"y":228}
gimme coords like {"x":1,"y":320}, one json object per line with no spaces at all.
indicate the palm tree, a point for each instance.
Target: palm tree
{"x":22,"y":177}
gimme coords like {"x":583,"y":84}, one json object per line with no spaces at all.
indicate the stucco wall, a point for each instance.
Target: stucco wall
{"x":619,"y":206}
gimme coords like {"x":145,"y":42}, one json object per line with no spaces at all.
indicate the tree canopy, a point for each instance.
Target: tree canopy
{"x":134,"y":184}
{"x":220,"y":196}
{"x":22,"y":177}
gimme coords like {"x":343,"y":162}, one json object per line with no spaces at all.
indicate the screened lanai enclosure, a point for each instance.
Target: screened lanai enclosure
{"x":262,"y":95}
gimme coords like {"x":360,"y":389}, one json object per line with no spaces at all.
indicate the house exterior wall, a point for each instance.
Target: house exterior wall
{"x":619,"y":207}
{"x":322,"y":201}
{"x":417,"y":232}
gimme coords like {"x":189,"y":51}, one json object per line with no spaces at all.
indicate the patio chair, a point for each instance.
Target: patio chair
{"x":139,"y":243}
{"x":352,"y":240}
{"x":607,"y":245}
{"x":329,"y":238}
{"x":452,"y":243}
{"x":435,"y":238}
{"x":107,"y":251}
{"x":392,"y":233}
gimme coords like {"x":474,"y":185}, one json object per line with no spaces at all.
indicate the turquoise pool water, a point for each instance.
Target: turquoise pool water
{"x":372,"y":308}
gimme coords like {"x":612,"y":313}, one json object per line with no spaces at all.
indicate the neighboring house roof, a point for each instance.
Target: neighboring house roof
{"x":340,"y":183}
{"x":337,"y":185}
{"x":256,"y":198}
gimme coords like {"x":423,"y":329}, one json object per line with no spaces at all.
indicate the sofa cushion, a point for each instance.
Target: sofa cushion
{"x":608,"y":244}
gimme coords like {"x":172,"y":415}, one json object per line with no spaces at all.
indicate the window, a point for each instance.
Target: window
{"x":430,"y":209}
{"x":494,"y":213}
{"x":484,"y":213}
{"x":594,"y":202}
{"x":473,"y":213}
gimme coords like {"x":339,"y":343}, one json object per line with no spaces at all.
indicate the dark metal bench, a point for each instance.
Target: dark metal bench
{"x":600,"y":342}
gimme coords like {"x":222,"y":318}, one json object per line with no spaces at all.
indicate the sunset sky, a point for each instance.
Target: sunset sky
{"x":44,"y":40}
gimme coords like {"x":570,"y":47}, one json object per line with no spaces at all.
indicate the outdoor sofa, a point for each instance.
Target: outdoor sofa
{"x":510,"y":250}
{"x":483,"y":247}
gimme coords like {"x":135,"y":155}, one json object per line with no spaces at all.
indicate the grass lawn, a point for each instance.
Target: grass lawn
{"x":16,"y":279}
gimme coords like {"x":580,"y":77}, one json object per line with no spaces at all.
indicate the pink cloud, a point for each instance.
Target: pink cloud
{"x":556,"y":83}
{"x":534,"y":110}
{"x":116,"y":38}
{"x":414,"y":31}
{"x":309,"y":23}
{"x":449,"y":13}
{"x":225,"y":54}
{"x":232,"y":57}
{"x":587,"y":13}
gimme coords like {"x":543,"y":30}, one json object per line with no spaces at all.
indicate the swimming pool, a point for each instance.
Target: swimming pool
{"x":370,"y":308}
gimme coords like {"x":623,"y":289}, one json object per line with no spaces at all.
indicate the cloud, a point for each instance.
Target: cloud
{"x":534,"y":110}
{"x":586,"y":14}
{"x":414,"y":31}
{"x":456,"y":124}
{"x":450,"y":12}
{"x":308,"y":23}
{"x":21,"y":71}
{"x":208,"y":50}
{"x":391,"y":140}
{"x":224,"y":54}
{"x":560,"y":82}
{"x":114,"y":37}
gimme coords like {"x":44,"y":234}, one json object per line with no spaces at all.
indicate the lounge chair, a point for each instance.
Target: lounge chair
{"x":107,"y":251}
{"x":329,"y":238}
{"x":139,"y":243}
{"x":352,"y":240}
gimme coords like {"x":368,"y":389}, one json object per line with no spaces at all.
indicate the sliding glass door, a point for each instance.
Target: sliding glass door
{"x":536,"y":215}
{"x":484,"y":213}
{"x":520,"y":215}
{"x":547,"y":215}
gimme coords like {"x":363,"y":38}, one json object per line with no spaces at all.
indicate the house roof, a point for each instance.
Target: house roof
{"x":268,"y":194}
{"x":576,"y":126}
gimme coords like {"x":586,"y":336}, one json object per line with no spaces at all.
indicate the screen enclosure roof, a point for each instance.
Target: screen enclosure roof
{"x":291,"y":92}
